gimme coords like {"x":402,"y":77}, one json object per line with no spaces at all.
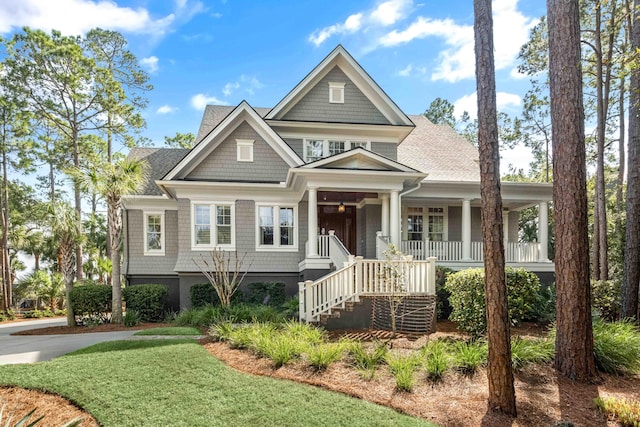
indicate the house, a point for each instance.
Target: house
{"x":335,"y":170}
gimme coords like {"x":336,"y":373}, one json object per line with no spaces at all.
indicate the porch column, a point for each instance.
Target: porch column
{"x":394,"y":219}
{"x":312,"y":230}
{"x":543,"y":231}
{"x":385,"y":214}
{"x":466,"y":230}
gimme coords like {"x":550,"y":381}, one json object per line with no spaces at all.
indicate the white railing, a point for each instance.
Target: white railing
{"x":362,"y":277}
{"x":522,"y":252}
{"x":323,"y":245}
{"x":337,"y":252}
{"x":452,"y":250}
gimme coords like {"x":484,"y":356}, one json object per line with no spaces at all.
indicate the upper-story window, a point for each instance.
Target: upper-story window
{"x":245,"y":150}
{"x":212,"y":225}
{"x":153,"y":233}
{"x":336,"y":93}
{"x":315,"y":149}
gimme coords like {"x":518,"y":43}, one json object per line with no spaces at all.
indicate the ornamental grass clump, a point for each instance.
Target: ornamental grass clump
{"x":321,"y":356}
{"x":283,"y":349}
{"x":469,"y":356}
{"x":436,"y":359}
{"x":625,"y":412}
{"x":403,"y":368}
{"x":616,"y":347}
{"x":527,"y":351}
{"x":366,"y":361}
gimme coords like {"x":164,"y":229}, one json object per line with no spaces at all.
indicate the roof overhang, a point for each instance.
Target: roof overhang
{"x":378,"y":133}
{"x":147,"y":202}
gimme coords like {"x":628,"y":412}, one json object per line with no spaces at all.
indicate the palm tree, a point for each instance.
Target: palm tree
{"x":115,"y":181}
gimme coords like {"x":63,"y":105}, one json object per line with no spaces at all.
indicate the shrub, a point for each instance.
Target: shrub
{"x":606,"y":299}
{"x":131,"y":318}
{"x":8,"y":315}
{"x":91,"y":303}
{"x":626,"y":412}
{"x":266,"y":293}
{"x":443,"y":308}
{"x":469,"y":356}
{"x":467,"y":297}
{"x":616,"y":347}
{"x":32,"y":314}
{"x":150,"y":301}
{"x":544,"y":309}
{"x":291,"y":307}
{"x":203,"y":294}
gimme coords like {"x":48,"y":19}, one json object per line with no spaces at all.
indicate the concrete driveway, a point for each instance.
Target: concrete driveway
{"x":37,"y":348}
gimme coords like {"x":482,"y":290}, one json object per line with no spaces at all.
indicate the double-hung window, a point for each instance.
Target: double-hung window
{"x":315,"y":149}
{"x":153,"y":233}
{"x":213,"y":225}
{"x":415,"y":225}
{"x":436,"y":224}
{"x":276,"y":227}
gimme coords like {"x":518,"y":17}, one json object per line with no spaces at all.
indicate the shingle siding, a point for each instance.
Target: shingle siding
{"x":315,"y":106}
{"x":387,"y":149}
{"x":138,"y":263}
{"x":223,"y":164}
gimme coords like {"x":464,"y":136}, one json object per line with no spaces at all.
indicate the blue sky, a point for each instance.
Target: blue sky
{"x":224,"y":51}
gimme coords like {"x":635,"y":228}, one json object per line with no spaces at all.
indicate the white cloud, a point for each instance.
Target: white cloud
{"x":406,"y":71}
{"x":457,"y":60}
{"x":166,"y":109}
{"x":350,"y":25}
{"x":150,"y":63}
{"x":469,"y":103}
{"x":247,"y":84}
{"x":201,"y":100}
{"x":390,"y":12}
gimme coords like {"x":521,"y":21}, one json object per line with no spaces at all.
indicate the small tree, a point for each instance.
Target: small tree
{"x":393,"y":274}
{"x":217,"y":269}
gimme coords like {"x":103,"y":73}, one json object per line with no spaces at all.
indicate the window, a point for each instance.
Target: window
{"x":415,"y":225}
{"x":245,"y":150}
{"x":276,"y":227}
{"x":336,"y":93}
{"x":436,"y":224}
{"x":316,"y":149}
{"x":154,"y":233}
{"x":212,"y":225}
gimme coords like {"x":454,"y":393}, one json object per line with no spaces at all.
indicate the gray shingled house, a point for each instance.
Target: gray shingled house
{"x":319,"y":185}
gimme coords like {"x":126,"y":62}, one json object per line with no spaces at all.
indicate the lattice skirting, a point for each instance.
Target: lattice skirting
{"x":414,"y":314}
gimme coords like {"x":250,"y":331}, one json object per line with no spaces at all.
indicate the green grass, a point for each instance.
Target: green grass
{"x":176,"y":382}
{"x":175,"y":330}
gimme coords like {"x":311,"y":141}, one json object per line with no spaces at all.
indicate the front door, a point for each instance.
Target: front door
{"x":344,"y":224}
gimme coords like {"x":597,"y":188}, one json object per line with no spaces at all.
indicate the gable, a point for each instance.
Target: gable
{"x":315,"y":105}
{"x":358,"y":159}
{"x":222,"y":163}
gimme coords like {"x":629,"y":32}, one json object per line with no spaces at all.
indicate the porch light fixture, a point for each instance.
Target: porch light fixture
{"x":341,"y":208}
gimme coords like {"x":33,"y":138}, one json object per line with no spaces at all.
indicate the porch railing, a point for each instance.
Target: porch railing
{"x":323,"y":245}
{"x":361,"y":277}
{"x":452,"y":250}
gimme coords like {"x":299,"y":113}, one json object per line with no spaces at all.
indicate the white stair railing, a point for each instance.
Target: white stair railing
{"x":337,"y":251}
{"x":361,"y":277}
{"x":323,"y":245}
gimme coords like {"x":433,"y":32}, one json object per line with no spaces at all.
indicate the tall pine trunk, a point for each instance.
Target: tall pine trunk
{"x":632,"y":241}
{"x":500,"y":375}
{"x":574,"y":338}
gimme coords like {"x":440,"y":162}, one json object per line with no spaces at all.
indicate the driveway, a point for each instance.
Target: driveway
{"x":37,"y":348}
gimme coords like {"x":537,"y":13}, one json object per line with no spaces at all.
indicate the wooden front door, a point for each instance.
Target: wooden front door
{"x":344,"y":224}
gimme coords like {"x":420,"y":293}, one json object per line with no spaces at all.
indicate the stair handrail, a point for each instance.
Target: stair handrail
{"x":338,"y":253}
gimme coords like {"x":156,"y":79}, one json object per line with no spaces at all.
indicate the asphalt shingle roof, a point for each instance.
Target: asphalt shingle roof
{"x":214,"y":114}
{"x":159,"y":162}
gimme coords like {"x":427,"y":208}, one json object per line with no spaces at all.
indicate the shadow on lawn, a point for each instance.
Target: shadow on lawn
{"x":125,"y":345}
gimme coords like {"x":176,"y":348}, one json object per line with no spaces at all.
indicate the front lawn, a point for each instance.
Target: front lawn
{"x":176,"y":382}
{"x":170,"y":331}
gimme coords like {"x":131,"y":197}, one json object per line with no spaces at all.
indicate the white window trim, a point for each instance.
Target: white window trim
{"x":340,"y":87}
{"x":240,"y":143}
{"x":214,"y":227}
{"x":276,"y":225}
{"x":153,"y":252}
{"x":425,"y":220}
{"x":325,"y":145}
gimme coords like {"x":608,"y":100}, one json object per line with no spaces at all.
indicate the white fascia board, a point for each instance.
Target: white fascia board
{"x":146,"y":202}
{"x":374,"y":133}
{"x":520,"y":192}
{"x":234,"y":191}
{"x":391,"y":164}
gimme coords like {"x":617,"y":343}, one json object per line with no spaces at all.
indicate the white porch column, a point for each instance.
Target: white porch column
{"x":312,"y":231}
{"x":394,"y":219}
{"x":385,"y":214}
{"x":466,"y":230}
{"x":543,"y":231}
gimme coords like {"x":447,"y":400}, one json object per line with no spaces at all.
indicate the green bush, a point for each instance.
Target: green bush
{"x":469,"y":356}
{"x":91,"y":303}
{"x":150,"y":301}
{"x":527,"y":351}
{"x":32,"y":314}
{"x":616,"y":347}
{"x":203,"y":294}
{"x":131,"y":318}
{"x":467,"y":297}
{"x":544,"y":309}
{"x":606,"y":299}
{"x":443,"y":308}
{"x":267,"y":293}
